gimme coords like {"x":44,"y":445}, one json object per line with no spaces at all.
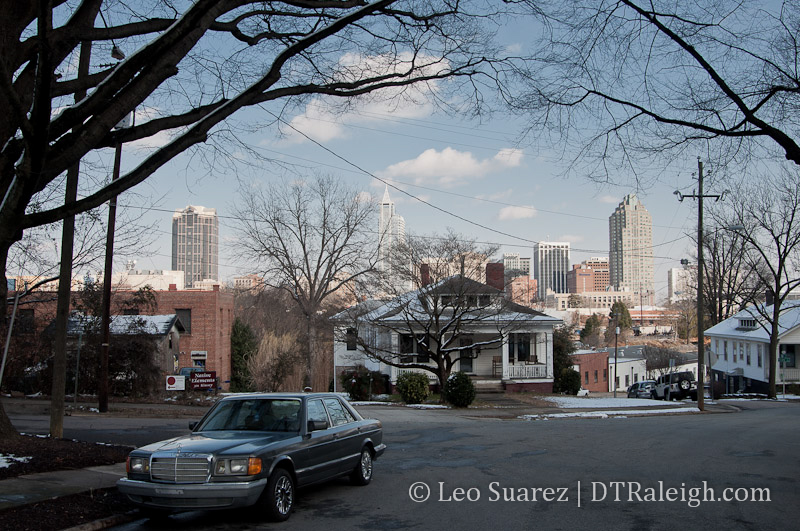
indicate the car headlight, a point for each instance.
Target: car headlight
{"x":240,"y":466}
{"x":138,"y":465}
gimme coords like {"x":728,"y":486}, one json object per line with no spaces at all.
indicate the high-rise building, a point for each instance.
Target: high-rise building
{"x":550,"y":266}
{"x":195,"y":244}
{"x":679,"y":283}
{"x":391,"y":231}
{"x":515,"y":266}
{"x":630,"y":242}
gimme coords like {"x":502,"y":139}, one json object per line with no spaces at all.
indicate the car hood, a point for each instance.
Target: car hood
{"x":237,"y":442}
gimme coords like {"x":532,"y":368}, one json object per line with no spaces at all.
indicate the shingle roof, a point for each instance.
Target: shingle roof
{"x":730,"y":327}
{"x":157,"y":325}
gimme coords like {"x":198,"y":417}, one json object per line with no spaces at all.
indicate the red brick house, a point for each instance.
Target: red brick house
{"x":593,"y":367}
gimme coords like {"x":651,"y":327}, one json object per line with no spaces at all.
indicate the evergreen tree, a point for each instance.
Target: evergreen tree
{"x":243,"y":344}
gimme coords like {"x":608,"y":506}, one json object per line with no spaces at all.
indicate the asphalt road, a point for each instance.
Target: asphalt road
{"x":485,"y":474}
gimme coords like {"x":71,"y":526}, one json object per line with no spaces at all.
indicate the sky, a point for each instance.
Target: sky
{"x":499,"y":191}
{"x":481,"y":179}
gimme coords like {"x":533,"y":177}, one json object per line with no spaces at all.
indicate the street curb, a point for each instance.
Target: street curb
{"x":105,"y":523}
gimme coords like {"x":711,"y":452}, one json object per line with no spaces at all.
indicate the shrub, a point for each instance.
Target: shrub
{"x":570,"y":381}
{"x":413,"y":387}
{"x":357,"y":383}
{"x":459,"y":390}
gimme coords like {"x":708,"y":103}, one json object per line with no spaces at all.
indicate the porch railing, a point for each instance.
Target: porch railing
{"x":789,"y":375}
{"x":525,"y":371}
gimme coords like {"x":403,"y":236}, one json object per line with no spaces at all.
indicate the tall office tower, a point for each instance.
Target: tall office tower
{"x":679,"y":283}
{"x":391,"y":231}
{"x":630,"y":235}
{"x":195,"y":244}
{"x":515,"y":266}
{"x":550,"y":266}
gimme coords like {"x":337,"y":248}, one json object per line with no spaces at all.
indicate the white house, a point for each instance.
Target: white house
{"x":498,"y":342}
{"x":625,"y":372}
{"x":739,"y":351}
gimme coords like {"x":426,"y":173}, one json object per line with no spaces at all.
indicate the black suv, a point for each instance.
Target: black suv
{"x":675,"y":386}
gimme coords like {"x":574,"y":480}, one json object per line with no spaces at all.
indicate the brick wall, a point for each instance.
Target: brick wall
{"x":211,"y":325}
{"x":590,"y":363}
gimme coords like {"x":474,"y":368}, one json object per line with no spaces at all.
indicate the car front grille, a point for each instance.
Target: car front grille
{"x":178,"y":469}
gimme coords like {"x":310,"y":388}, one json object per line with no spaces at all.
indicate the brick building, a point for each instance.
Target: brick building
{"x":207,"y":317}
{"x":593,"y":367}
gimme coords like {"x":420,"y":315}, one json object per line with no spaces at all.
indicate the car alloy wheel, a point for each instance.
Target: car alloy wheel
{"x":362,"y":474}
{"x":280,"y":495}
{"x":685,"y":384}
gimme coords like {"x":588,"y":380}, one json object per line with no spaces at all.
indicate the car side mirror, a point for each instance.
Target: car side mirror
{"x":193,"y":425}
{"x":316,"y":425}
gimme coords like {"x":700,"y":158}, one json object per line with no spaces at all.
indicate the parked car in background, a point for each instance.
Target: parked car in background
{"x":642,"y":389}
{"x":255,"y":449}
{"x":675,"y":386}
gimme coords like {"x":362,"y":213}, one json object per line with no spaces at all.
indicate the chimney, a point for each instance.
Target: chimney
{"x":173,"y":287}
{"x":495,"y":275}
{"x":424,"y":274}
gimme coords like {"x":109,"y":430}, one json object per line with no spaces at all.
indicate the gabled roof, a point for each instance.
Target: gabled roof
{"x":155,"y":325}
{"x":730,"y":327}
{"x":415,"y":303}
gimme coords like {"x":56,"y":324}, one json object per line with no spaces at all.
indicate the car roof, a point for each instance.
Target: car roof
{"x":297,"y":396}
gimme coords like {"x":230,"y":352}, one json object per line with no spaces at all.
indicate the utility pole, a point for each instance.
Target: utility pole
{"x":701,"y":373}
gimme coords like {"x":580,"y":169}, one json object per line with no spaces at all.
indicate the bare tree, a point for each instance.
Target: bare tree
{"x":618,"y":83}
{"x":312,"y":239}
{"x":658,"y":360}
{"x":729,"y":280}
{"x":273,"y":362}
{"x":441,"y":323}
{"x":766,"y":214}
{"x":191,"y":66}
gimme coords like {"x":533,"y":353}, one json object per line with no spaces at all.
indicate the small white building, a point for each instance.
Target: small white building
{"x":739,"y":352}
{"x":625,"y":372}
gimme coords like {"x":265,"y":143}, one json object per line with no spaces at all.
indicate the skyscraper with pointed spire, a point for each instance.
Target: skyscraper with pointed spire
{"x":391,"y":231}
{"x":631,"y":248}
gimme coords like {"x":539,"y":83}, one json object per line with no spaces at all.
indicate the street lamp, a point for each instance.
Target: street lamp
{"x":614,"y":316}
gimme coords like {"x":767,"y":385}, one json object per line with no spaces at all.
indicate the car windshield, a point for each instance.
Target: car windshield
{"x":257,"y":414}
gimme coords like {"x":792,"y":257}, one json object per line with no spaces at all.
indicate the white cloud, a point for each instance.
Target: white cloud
{"x":610,"y":199}
{"x":516,"y":212}
{"x":322,"y":121}
{"x":450,"y":167}
{"x":514,"y":49}
{"x":571,"y":238}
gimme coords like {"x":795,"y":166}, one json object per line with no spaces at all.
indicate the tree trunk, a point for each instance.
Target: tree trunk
{"x":311,"y":329}
{"x":773,"y":355}
{"x":7,"y":429}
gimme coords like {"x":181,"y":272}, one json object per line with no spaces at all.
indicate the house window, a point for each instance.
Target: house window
{"x":595,"y":376}
{"x":185,"y":315}
{"x":759,"y":353}
{"x":484,"y":300}
{"x":741,"y":351}
{"x":627,"y":380}
{"x":605,"y":375}
{"x":587,"y":377}
{"x":130,"y":311}
{"x":747,"y":351}
{"x":409,"y":347}
{"x":725,"y":350}
{"x":352,"y":337}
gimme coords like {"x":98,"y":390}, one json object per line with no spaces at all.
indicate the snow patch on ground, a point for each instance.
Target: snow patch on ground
{"x":8,"y":460}
{"x":573,"y":402}
{"x":427,"y":406}
{"x":608,"y":414}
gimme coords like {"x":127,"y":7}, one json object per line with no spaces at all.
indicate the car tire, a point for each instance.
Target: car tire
{"x":278,"y":497}
{"x":362,"y":473}
{"x":653,"y":396}
{"x":685,"y":385}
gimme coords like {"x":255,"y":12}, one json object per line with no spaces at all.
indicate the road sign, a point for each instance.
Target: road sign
{"x":176,"y":383}
{"x":785,"y":359}
{"x":203,"y":380}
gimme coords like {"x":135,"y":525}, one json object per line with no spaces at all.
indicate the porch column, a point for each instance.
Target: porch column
{"x":504,"y":350}
{"x":548,"y":344}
